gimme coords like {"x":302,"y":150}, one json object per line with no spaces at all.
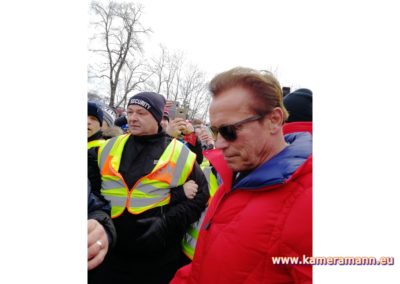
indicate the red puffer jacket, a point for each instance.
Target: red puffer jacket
{"x":266,"y":214}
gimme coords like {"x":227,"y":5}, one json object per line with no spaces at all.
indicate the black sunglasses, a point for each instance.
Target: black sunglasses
{"x":229,"y":131}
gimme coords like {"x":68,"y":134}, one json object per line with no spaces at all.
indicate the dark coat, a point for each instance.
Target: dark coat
{"x":131,"y":261}
{"x":99,"y":209}
{"x":98,"y":135}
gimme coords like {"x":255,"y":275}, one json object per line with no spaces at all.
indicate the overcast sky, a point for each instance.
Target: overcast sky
{"x":219,"y":35}
{"x":321,"y":45}
{"x":300,"y":40}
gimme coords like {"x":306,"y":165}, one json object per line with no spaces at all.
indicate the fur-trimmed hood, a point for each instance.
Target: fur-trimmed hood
{"x":112,"y":132}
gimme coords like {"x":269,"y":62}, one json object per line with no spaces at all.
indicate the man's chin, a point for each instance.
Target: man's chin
{"x":136,"y":132}
{"x":233,"y":163}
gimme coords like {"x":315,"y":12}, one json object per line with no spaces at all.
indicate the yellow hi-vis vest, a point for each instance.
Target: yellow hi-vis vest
{"x":150,"y":191}
{"x":192,"y":234}
{"x":95,"y":143}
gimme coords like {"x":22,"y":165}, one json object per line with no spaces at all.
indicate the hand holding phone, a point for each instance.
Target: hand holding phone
{"x":181,"y":113}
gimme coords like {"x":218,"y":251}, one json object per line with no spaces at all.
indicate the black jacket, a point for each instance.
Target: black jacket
{"x":142,"y":263}
{"x":98,"y":135}
{"x":93,"y":168}
{"x":99,"y":209}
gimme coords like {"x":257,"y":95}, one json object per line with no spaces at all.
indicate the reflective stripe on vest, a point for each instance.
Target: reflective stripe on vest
{"x":211,"y":179}
{"x":95,"y":143}
{"x":190,"y":239}
{"x":205,"y":163}
{"x":150,"y":191}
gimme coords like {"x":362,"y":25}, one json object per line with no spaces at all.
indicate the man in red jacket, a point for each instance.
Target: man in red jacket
{"x":263,"y":208}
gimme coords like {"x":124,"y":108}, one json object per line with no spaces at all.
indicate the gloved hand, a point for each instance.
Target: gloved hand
{"x":154,"y":238}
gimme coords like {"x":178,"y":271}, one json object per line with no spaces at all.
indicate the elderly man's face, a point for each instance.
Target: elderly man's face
{"x":141,"y":121}
{"x":251,"y":146}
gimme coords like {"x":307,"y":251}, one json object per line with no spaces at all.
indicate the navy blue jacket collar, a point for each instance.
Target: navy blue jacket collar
{"x":278,"y":169}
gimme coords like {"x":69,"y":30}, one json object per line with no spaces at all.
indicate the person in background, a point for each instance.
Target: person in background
{"x":120,"y":111}
{"x":142,"y":172}
{"x":100,"y":128}
{"x":165,"y":119}
{"x":95,"y":122}
{"x":108,"y":129}
{"x":108,"y":119}
{"x":263,"y":208}
{"x":190,"y":187}
{"x":202,"y":132}
{"x":299,"y":107}
{"x":207,"y":143}
{"x":176,"y":129}
{"x":183,"y":130}
{"x":122,"y":122}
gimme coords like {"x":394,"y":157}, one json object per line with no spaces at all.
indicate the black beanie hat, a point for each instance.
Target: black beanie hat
{"x":120,"y":121}
{"x":96,"y":111}
{"x":152,"y":102}
{"x":299,"y":105}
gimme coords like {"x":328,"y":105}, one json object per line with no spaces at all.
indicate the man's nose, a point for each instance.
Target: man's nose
{"x":221,"y":143}
{"x":132,"y":117}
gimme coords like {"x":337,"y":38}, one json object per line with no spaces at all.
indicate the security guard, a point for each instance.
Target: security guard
{"x":142,"y":175}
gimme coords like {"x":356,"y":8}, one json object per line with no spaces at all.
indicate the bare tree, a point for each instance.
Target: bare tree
{"x":158,"y":67}
{"x":193,"y":80}
{"x":166,"y":69}
{"x":193,"y":90}
{"x":135,"y":75}
{"x":203,"y":114}
{"x":119,"y":31}
{"x":199,"y":104}
{"x":179,"y":81}
{"x":175,"y":65}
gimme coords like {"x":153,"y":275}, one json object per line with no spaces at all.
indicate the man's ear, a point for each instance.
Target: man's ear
{"x":276,"y":120}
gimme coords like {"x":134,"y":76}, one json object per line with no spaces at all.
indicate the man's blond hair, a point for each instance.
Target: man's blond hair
{"x":263,"y":85}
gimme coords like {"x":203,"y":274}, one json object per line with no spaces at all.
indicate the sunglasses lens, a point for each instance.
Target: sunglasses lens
{"x":228,"y":132}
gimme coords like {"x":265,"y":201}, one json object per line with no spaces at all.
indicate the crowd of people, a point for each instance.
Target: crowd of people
{"x":178,"y":201}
